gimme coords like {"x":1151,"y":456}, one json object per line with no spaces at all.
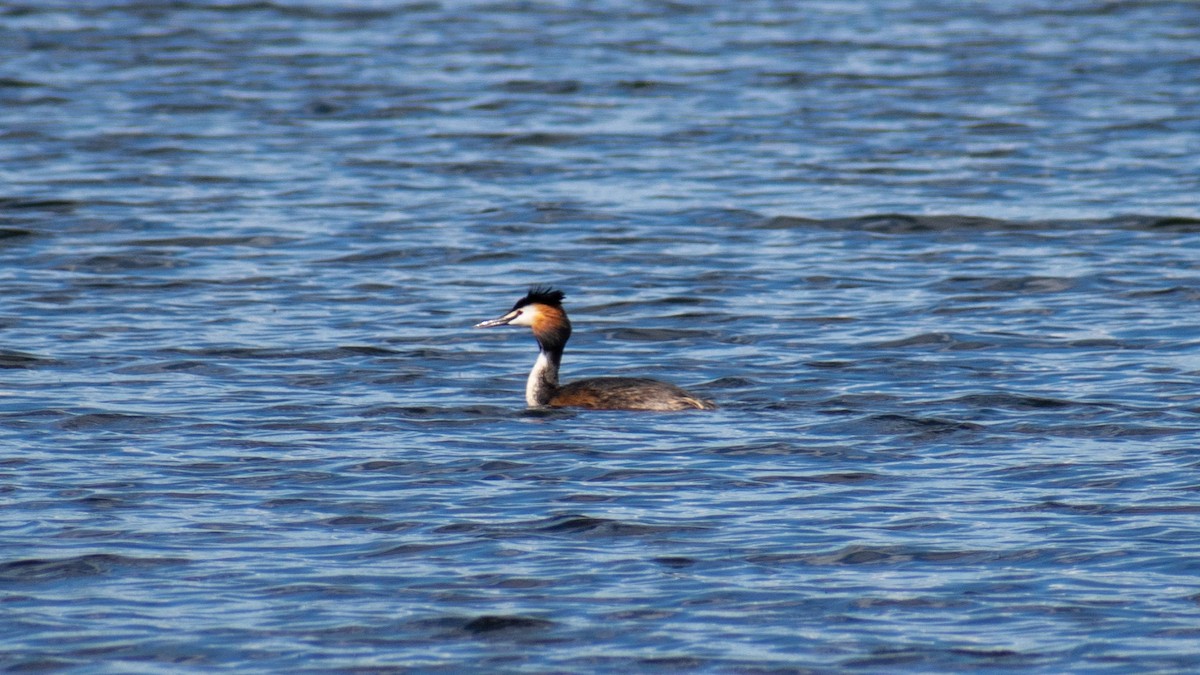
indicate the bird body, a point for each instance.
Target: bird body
{"x":542,"y":311}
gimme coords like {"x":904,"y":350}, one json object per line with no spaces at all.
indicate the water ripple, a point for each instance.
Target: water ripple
{"x":937,"y":267}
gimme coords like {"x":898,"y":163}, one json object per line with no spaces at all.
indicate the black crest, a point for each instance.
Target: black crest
{"x":544,"y":295}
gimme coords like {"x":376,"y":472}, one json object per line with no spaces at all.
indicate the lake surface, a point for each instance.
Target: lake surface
{"x":938,"y":262}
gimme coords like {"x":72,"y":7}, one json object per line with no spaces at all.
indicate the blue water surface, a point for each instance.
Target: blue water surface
{"x":938,"y":262}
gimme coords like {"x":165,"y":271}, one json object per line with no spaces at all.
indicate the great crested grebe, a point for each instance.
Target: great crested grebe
{"x":541,"y":309}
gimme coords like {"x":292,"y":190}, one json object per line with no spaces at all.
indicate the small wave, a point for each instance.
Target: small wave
{"x":943,"y":341}
{"x":91,"y":565}
{"x":111,"y":421}
{"x":898,"y":423}
{"x":602,"y":527}
{"x":252,"y":241}
{"x":900,"y":223}
{"x":1111,"y":509}
{"x":33,"y":204}
{"x":272,"y":353}
{"x":828,"y":478}
{"x":876,"y":555}
{"x":13,"y":359}
{"x":1013,"y":401}
{"x":126,"y":262}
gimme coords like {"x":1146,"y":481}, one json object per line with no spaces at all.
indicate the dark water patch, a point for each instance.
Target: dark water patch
{"x":461,"y":528}
{"x":312,"y":590}
{"x":541,"y":86}
{"x":892,"y":223}
{"x":832,"y":365}
{"x":113,"y":421}
{"x":35,"y":570}
{"x":920,"y":426}
{"x":648,"y":86}
{"x":937,"y":342}
{"x":458,"y":416}
{"x":491,"y":257}
{"x":1026,"y":285}
{"x":1158,"y":509}
{"x":188,"y":366}
{"x":40,"y":665}
{"x":783,"y":448}
{"x":292,"y":477}
{"x":638,"y":475}
{"x":494,"y":170}
{"x":354,"y":521}
{"x":91,"y":534}
{"x":393,"y":526}
{"x":1182,"y":293}
{"x":951,"y":659}
{"x":291,"y":502}
{"x":13,"y":233}
{"x":601,"y":527}
{"x":1040,"y":470}
{"x":1111,"y":509}
{"x":15,"y":359}
{"x":414,"y":550}
{"x":728,"y":384}
{"x":1092,"y":429}
{"x":388,"y":465}
{"x":596,"y":498}
{"x":34,"y":204}
{"x":898,"y":223}
{"x":883,"y":555}
{"x":524,"y":217}
{"x":675,"y":562}
{"x":1008,"y":401}
{"x":491,"y":623}
{"x":284,"y":354}
{"x":541,"y":139}
{"x":851,"y":477}
{"x":757,"y":448}
{"x":907,"y":603}
{"x":126,"y":262}
{"x":14,"y":83}
{"x":104,"y":502}
{"x":504,"y":581}
{"x":1158,"y":223}
{"x":620,"y":240}
{"x":250,"y":241}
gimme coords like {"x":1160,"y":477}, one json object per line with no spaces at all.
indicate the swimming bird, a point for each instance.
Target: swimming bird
{"x":541,"y":310}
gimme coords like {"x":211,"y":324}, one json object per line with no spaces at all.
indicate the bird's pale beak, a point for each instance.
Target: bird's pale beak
{"x":501,"y":321}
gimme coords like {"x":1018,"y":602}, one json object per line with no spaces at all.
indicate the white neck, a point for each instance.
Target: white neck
{"x":542,"y":382}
